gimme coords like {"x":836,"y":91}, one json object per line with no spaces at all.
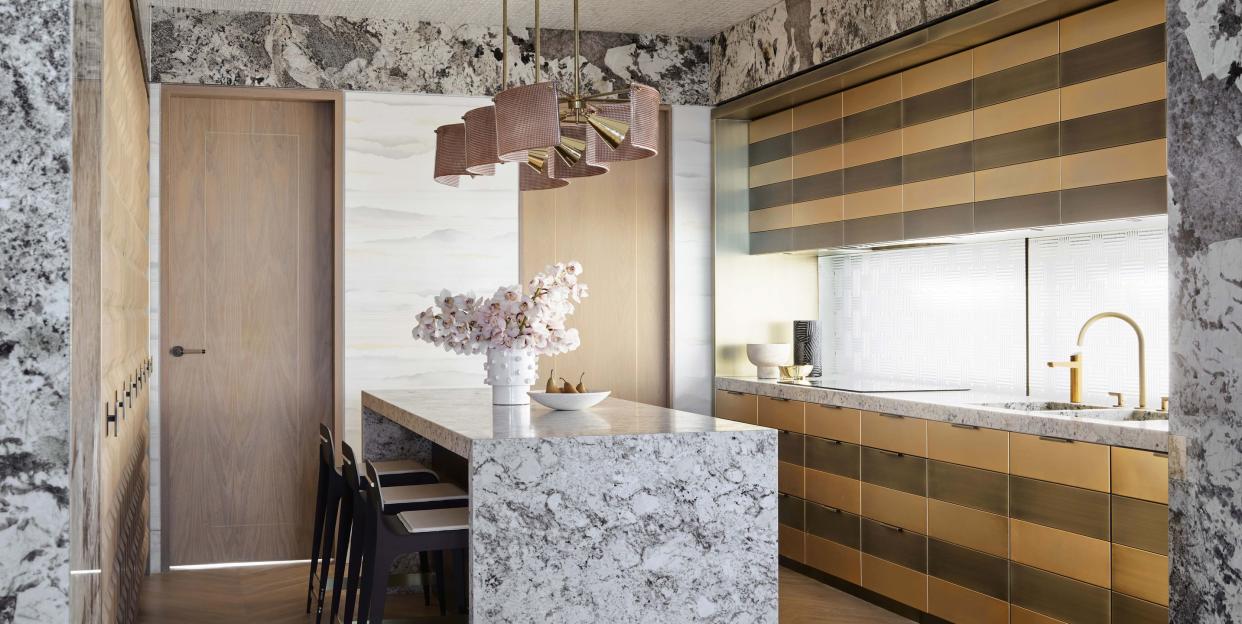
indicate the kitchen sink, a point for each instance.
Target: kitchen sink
{"x":1042,"y":406}
{"x":1081,"y":410}
{"x":1121,"y":413}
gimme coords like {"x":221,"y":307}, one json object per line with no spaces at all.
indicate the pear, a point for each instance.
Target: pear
{"x":550,"y":387}
{"x":580,"y":387}
{"x":567,"y":387}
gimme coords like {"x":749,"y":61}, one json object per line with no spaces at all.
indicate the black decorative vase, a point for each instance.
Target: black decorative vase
{"x":807,"y":346}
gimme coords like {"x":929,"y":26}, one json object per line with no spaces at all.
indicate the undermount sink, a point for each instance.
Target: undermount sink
{"x":1042,"y":406}
{"x":1121,"y":413}
{"x":1081,"y":410}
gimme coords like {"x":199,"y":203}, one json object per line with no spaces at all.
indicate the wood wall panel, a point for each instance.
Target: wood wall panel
{"x":617,"y":226}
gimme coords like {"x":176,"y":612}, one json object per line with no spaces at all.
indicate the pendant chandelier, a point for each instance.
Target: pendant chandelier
{"x":552,"y":134}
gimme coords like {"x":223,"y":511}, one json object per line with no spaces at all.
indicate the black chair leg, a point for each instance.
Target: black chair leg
{"x":378,"y":594}
{"x":437,"y":558}
{"x":321,"y":496}
{"x":460,"y":579}
{"x":329,"y":534}
{"x":424,"y":573}
{"x":358,"y":543}
{"x":340,"y":561}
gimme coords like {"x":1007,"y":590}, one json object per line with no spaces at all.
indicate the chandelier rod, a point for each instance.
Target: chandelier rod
{"x":536,"y":40}
{"x":504,"y":44}
{"x":577,"y":60}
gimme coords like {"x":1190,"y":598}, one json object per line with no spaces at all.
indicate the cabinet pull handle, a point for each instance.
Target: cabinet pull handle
{"x":735,"y":393}
{"x":893,"y":453}
{"x":964,"y":426}
{"x":1056,"y":439}
{"x":781,"y":399}
{"x":1160,"y":453}
{"x":891,"y":415}
{"x":832,"y":509}
{"x":889,"y":526}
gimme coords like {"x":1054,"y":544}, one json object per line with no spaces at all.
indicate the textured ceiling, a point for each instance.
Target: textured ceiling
{"x":695,"y":18}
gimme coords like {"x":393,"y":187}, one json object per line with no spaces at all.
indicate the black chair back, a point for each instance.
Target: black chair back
{"x":327,"y":450}
{"x":375,"y":493}
{"x":349,"y":467}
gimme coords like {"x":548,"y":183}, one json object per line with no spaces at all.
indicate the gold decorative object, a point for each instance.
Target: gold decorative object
{"x":796,"y":372}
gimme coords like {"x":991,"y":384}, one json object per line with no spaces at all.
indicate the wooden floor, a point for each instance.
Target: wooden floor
{"x":277,"y":595}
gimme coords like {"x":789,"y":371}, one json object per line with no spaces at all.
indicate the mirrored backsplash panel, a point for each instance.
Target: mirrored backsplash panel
{"x":952,"y":315}
{"x":958,"y":315}
{"x":1072,"y":278}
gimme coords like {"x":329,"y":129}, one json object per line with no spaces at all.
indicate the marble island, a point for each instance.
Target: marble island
{"x":622,"y":513}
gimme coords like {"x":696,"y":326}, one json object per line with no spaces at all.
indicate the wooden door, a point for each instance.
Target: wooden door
{"x":247,"y":248}
{"x":617,"y":225}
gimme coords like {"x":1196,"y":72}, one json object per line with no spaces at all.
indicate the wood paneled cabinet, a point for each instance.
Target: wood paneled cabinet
{"x":971,"y":525}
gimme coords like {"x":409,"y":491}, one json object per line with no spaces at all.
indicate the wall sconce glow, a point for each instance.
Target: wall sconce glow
{"x":238,"y":564}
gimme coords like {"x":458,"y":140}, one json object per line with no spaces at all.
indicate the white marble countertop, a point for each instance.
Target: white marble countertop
{"x":455,"y":418}
{"x":961,"y":407}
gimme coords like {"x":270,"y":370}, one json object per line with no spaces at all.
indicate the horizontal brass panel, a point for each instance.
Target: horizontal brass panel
{"x":780,"y":414}
{"x":771,"y":241}
{"x":978,"y":571}
{"x":871,"y":95}
{"x":906,"y":473}
{"x":769,"y":195}
{"x":937,"y":163}
{"x":816,"y":211}
{"x":876,"y":229}
{"x":819,"y":186}
{"x":1141,"y":574}
{"x":969,"y":446}
{"x":1113,"y":56}
{"x":814,"y":138}
{"x":895,"y":433}
{"x":1080,"y":464}
{"x":1024,"y":179}
{"x":773,"y":125}
{"x":876,"y":175}
{"x":1056,"y":597}
{"x":900,"y":509}
{"x":768,"y":150}
{"x":951,"y":191}
{"x":771,"y":172}
{"x":1109,"y":20}
{"x":1140,"y":474}
{"x":833,"y":490}
{"x":970,"y":487}
{"x":950,"y":100}
{"x":791,"y":511}
{"x":833,"y":524}
{"x":817,"y":161}
{"x":838,"y":423}
{"x":1073,"y":509}
{"x":1068,"y":554}
{"x":774,"y":218}
{"x":1018,"y":615}
{"x":1123,"y":126}
{"x":1017,"y":147}
{"x":957,"y":604}
{"x":840,"y":561}
{"x":1115,"y":164}
{"x":816,"y":112}
{"x":1120,"y":200}
{"x":939,"y":133}
{"x":791,"y":543}
{"x":894,"y":544}
{"x":1027,"y":112}
{"x":894,"y":581}
{"x":873,"y":203}
{"x":968,"y":527}
{"x":790,"y":447}
{"x":873,"y":148}
{"x":832,"y":456}
{"x":1022,"y":211}
{"x":938,"y":74}
{"x":1134,"y":611}
{"x":942,"y":221}
{"x":1141,"y":524}
{"x":818,"y":236}
{"x":789,"y":479}
{"x":736,"y":406}
{"x":1017,"y":49}
{"x":1129,"y":88}
{"x":875,"y":121}
{"x":1017,"y":82}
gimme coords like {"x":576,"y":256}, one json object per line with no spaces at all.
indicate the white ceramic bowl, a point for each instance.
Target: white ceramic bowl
{"x":769,"y":357}
{"x":569,"y":400}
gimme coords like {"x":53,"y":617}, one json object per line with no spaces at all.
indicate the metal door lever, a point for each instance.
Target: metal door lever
{"x":179,"y":351}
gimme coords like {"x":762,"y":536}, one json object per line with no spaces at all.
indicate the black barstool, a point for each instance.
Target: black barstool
{"x":331,"y":499}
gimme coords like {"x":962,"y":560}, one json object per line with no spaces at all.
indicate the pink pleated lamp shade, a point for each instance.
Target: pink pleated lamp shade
{"x":642,"y":113}
{"x":588,"y":165}
{"x":527,"y":117}
{"x":481,"y":156}
{"x":450,"y":154}
{"x":529,"y":179}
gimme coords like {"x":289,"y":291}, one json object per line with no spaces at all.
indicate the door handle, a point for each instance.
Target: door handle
{"x":179,"y":351}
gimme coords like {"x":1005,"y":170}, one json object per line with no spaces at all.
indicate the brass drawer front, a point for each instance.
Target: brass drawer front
{"x":780,"y":414}
{"x":840,"y":561}
{"x":971,"y":569}
{"x":969,"y":487}
{"x":1141,"y":474}
{"x":1080,"y":464}
{"x":895,"y":433}
{"x":1056,"y":597}
{"x":789,"y":479}
{"x":968,"y":527}
{"x":1085,"y":512}
{"x":1068,"y":554}
{"x":969,"y":446}
{"x":908,"y":511}
{"x":1141,"y":524}
{"x":838,"y":423}
{"x":833,"y":524}
{"x":897,"y":582}
{"x":1134,"y":611}
{"x":791,"y":511}
{"x":790,"y":447}
{"x":963,"y":606}
{"x":1018,"y":615}
{"x":905,"y":473}
{"x":833,"y":490}
{"x":894,"y":544}
{"x":792,"y":543}
{"x":737,"y":406}
{"x":1141,"y":574}
{"x":839,"y":458}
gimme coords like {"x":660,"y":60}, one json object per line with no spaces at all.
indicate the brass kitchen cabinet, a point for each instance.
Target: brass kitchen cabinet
{"x":968,"y":445}
{"x":901,"y":434}
{"x":1080,"y":464}
{"x":1141,"y":474}
{"x":737,"y":406}
{"x":782,"y":414}
{"x":1141,"y":574}
{"x":1131,"y":610}
{"x":836,"y":559}
{"x":895,"y":581}
{"x":837,"y":423}
{"x":964,"y":606}
{"x":834,"y":490}
{"x":1067,"y":554}
{"x":972,"y":528}
{"x":792,"y":543}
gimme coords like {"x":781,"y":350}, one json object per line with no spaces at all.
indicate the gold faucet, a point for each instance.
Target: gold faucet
{"x":1075,"y":363}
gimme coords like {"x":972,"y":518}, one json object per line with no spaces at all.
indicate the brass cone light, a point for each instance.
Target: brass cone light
{"x":643,"y":114}
{"x":450,"y":154}
{"x":531,"y":180}
{"x":613,"y":131}
{"x":588,"y":165}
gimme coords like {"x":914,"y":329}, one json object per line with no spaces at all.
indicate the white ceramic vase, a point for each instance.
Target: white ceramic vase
{"x":510,"y":373}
